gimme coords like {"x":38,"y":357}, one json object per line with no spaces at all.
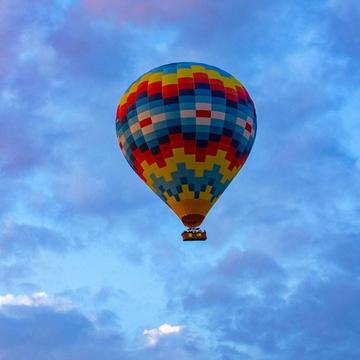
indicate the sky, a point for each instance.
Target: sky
{"x":92,"y":265}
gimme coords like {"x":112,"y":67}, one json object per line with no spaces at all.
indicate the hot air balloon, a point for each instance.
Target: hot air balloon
{"x":186,"y":129}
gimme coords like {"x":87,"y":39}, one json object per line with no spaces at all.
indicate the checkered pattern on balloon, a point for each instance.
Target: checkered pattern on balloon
{"x":186,"y":129}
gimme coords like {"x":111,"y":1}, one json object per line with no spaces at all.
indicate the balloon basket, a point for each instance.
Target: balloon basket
{"x":194,"y":234}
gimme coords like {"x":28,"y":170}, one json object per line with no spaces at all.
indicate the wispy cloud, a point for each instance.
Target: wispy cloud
{"x":22,"y":239}
{"x":34,"y":300}
{"x":154,"y":335}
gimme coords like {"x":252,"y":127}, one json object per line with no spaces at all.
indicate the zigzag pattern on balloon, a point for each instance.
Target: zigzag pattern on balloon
{"x":186,"y":126}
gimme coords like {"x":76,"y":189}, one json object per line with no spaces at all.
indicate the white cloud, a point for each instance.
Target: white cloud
{"x":153,"y":335}
{"x":35,"y":299}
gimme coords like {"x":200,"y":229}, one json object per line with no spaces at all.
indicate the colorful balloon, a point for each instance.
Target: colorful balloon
{"x":186,"y":129}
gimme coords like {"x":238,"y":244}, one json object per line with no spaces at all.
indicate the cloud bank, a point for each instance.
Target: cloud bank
{"x":278,"y":278}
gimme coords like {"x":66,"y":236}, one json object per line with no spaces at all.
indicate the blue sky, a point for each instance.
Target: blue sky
{"x":92,"y":265}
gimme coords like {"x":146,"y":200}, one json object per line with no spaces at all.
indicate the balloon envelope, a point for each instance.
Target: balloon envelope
{"x":186,"y":129}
